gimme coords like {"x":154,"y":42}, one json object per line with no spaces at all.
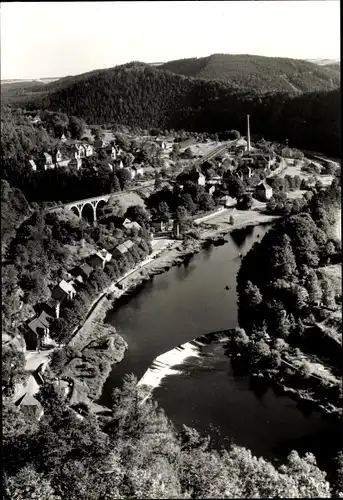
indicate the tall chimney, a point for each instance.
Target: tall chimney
{"x":248,"y":133}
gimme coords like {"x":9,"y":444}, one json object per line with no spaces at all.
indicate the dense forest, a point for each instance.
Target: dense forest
{"x":259,"y":74}
{"x":137,"y":454}
{"x":138,"y":95}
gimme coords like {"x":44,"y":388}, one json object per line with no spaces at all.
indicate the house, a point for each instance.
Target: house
{"x":89,"y":150}
{"x":82,"y":272}
{"x":75,"y":163}
{"x":129,"y":244}
{"x":139,"y":170}
{"x":216,"y":179}
{"x":53,"y":307}
{"x":121,"y":249}
{"x":132,"y":172}
{"x":36,"y":119}
{"x":159,"y":226}
{"x":194,"y":175}
{"x":37,"y":333}
{"x":82,"y":150}
{"x":161,"y":143}
{"x":185,"y":144}
{"x":225,"y":200}
{"x":56,"y":155}
{"x":99,"y":143}
{"x":30,"y":406}
{"x":45,"y":161}
{"x":63,"y":138}
{"x":127,"y":224}
{"x":33,"y":165}
{"x":74,"y":151}
{"x":210,"y":189}
{"x":245,"y":172}
{"x":63,"y":163}
{"x":111,"y":151}
{"x":99,"y":259}
{"x":119,"y":164}
{"x":63,"y":290}
{"x":263,"y":191}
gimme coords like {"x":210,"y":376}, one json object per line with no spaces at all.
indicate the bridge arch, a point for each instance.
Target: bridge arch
{"x":75,"y":209}
{"x":88,"y":212}
{"x":99,"y":208}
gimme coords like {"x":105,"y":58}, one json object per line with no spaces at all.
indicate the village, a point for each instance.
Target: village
{"x":204,"y":165}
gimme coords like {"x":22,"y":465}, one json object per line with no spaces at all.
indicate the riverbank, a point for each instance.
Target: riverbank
{"x":166,"y":253}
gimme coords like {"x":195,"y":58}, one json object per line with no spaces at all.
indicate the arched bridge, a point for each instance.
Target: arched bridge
{"x":81,"y":207}
{"x":89,"y":206}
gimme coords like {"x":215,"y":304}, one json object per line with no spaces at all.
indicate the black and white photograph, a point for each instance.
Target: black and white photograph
{"x":171,"y":257}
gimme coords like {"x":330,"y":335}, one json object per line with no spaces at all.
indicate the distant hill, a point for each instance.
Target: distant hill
{"x":259,"y":74}
{"x":325,"y":62}
{"x":139,"y":95}
{"x":18,"y":87}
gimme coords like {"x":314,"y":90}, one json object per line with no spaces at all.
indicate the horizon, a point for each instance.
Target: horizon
{"x":103,"y":35}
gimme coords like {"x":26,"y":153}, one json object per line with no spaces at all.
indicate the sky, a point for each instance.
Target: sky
{"x":55,"y":39}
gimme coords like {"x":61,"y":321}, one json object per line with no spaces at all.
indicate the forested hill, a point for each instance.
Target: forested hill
{"x":259,"y":74}
{"x":138,"y":95}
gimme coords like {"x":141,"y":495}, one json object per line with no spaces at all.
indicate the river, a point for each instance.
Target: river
{"x":203,"y":391}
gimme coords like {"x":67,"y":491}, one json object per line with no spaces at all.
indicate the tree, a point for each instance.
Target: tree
{"x":313,"y":287}
{"x":252,"y":294}
{"x":245,"y":202}
{"x":234,"y":186}
{"x":233,"y":135}
{"x":328,"y":292}
{"x":28,"y":484}
{"x":138,"y":214}
{"x":163,"y":212}
{"x":76,"y":127}
{"x":187,"y":202}
{"x":206,"y":202}
{"x":158,"y":181}
{"x":13,"y":367}
{"x":124,"y":178}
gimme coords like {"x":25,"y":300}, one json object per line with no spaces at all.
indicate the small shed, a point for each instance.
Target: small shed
{"x":128,"y":224}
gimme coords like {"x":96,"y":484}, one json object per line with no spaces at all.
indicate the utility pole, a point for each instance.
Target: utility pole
{"x":248,"y":133}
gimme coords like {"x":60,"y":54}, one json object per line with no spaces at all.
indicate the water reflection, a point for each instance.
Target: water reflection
{"x":239,"y":236}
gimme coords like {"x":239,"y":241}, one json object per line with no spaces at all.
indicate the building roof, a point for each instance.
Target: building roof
{"x":32,"y":163}
{"x":129,"y":244}
{"x":47,"y":156}
{"x":122,"y":248}
{"x":86,"y":268}
{"x":263,"y":185}
{"x":35,"y":325}
{"x":45,"y":319}
{"x":128,"y":224}
{"x":28,"y":400}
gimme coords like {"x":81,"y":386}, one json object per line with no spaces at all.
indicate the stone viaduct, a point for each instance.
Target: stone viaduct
{"x":79,"y":207}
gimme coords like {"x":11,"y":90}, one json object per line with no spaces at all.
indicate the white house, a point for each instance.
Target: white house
{"x":138,"y":169}
{"x":63,"y":290}
{"x":263,"y":191}
{"x":127,"y":224}
{"x":33,"y":165}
